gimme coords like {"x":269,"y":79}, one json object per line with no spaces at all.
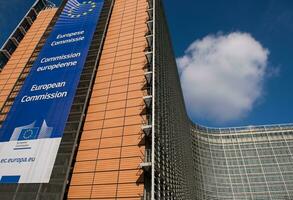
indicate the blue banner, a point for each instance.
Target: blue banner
{"x":41,"y":109}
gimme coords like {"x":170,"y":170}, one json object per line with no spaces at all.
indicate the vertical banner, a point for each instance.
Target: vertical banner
{"x":31,"y":134}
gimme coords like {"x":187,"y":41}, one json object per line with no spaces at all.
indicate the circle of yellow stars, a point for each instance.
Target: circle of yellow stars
{"x":91,"y":8}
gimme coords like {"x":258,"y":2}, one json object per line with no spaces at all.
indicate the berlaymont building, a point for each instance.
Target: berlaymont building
{"x":91,"y":107}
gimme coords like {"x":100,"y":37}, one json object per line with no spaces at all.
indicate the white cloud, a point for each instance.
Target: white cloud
{"x":222,"y":76}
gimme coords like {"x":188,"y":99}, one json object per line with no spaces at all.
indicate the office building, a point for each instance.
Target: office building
{"x":92,"y":108}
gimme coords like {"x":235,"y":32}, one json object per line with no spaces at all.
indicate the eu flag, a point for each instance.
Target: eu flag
{"x":28,"y":134}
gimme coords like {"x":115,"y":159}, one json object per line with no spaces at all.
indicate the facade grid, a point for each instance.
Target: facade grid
{"x":228,"y":163}
{"x":244,"y":163}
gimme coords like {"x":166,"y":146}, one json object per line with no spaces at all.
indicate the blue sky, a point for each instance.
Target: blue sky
{"x":268,"y":21}
{"x":263,"y":28}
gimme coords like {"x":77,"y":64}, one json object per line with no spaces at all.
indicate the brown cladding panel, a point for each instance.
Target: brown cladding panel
{"x":20,"y":57}
{"x":112,"y":144}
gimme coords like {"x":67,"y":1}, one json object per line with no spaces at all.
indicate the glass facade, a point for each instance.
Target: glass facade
{"x":244,"y":163}
{"x":228,"y":163}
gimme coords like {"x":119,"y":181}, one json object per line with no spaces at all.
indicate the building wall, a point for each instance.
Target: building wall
{"x":246,"y":163}
{"x":112,"y":144}
{"x":191,"y":162}
{"x":228,"y":163}
{"x":173,"y":139}
{"x":24,"y":51}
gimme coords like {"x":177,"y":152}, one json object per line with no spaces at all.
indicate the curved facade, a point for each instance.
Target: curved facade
{"x":227,"y":163}
{"x":243,"y":163}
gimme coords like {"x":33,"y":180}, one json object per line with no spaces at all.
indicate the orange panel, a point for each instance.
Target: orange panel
{"x":136,"y":111}
{"x":85,"y":166}
{"x":95,"y":116}
{"x":135,"y":102}
{"x":113,"y":122}
{"x":130,"y":190}
{"x":104,"y":191}
{"x":132,"y":140}
{"x":19,"y":58}
{"x":106,"y":177}
{"x":96,"y":108}
{"x":132,"y":151}
{"x":100,"y":99}
{"x":89,"y":144}
{"x":115,"y":113}
{"x":87,"y":155}
{"x":130,"y":163}
{"x":116,"y":105}
{"x":137,"y":119}
{"x":79,"y":191}
{"x":109,"y":153}
{"x":90,"y":125}
{"x":117,"y":97}
{"x":112,"y":132}
{"x":112,"y":141}
{"x":108,"y":165}
{"x":91,"y":134}
{"x":82,"y":178}
{"x":127,"y":176}
{"x":134,"y":129}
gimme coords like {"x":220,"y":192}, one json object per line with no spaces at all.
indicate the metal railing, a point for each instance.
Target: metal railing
{"x":244,"y":129}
